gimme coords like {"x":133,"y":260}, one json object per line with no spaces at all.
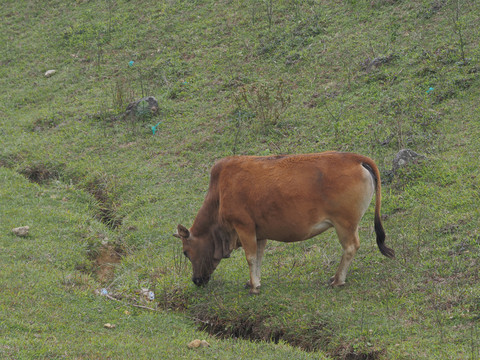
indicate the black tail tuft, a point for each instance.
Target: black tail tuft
{"x":381,"y":240}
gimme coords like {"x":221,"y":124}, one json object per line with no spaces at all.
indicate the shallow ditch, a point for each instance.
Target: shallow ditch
{"x":102,"y":190}
{"x":316,"y":337}
{"x":101,"y":187}
{"x":102,"y":257}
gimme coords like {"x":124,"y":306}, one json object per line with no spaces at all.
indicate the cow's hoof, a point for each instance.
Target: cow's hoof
{"x":254,"y":291}
{"x":335,"y":283}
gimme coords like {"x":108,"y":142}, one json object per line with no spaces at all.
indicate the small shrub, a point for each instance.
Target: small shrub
{"x":267,"y":102}
{"x":122,"y":94}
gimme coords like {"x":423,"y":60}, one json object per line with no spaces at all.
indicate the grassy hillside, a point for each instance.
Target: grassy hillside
{"x":103,"y":192}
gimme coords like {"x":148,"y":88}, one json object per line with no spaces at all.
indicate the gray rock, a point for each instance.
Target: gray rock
{"x":147,"y":107}
{"x":21,"y":231}
{"x":405,"y":157}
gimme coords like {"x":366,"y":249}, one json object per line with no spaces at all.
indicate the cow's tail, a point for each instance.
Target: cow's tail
{"x":379,"y":231}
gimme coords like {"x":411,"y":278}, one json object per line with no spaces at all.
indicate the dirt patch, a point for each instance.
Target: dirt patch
{"x":104,"y":261}
{"x":246,"y":326}
{"x":40,"y":173}
{"x":102,"y":187}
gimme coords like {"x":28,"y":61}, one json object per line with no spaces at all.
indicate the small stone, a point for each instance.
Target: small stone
{"x":21,"y":231}
{"x":405,"y":157}
{"x":194,"y":344}
{"x":198,"y":343}
{"x":109,"y":326}
{"x":50,"y":73}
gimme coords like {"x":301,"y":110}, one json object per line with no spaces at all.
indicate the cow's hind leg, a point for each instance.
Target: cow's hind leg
{"x":350,"y":243}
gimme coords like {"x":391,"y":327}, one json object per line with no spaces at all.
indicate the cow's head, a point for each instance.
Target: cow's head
{"x":204,"y":252}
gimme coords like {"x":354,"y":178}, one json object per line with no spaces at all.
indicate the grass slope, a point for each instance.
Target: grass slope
{"x":50,"y":311}
{"x":247,"y":78}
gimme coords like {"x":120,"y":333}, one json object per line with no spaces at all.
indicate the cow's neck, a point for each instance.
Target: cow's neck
{"x":207,"y":218}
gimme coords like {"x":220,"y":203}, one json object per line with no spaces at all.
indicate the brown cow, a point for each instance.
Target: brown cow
{"x":286,"y":198}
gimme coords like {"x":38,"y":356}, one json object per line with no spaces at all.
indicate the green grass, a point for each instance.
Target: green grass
{"x":356,"y":74}
{"x":50,"y":310}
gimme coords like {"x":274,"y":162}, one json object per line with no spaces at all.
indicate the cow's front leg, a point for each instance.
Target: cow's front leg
{"x":251,"y":247}
{"x":257,"y":267}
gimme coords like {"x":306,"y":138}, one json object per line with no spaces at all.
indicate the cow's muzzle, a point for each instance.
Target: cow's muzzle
{"x":200,"y":281}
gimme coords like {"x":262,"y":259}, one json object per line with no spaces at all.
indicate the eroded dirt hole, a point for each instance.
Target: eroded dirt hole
{"x":109,"y":217}
{"x":39,"y":173}
{"x":104,"y":259}
{"x":254,"y":327}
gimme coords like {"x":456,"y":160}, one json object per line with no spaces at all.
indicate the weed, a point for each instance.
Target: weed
{"x":269,"y":12}
{"x":122,"y":94}
{"x":268,"y":103}
{"x":458,"y":26}
{"x":240,"y":119}
{"x":337,"y":118}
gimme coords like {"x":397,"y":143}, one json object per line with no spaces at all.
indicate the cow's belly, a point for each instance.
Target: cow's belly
{"x":320,"y":228}
{"x":293,"y":232}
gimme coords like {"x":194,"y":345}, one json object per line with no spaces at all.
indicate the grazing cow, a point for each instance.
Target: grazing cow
{"x":286,"y":198}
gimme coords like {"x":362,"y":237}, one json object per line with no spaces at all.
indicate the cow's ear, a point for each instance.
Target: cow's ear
{"x":182,"y":232}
